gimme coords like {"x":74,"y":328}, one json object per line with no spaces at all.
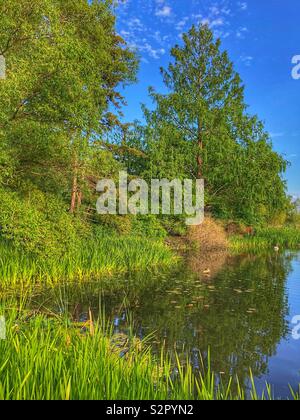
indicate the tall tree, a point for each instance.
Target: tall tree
{"x":64,"y":64}
{"x":200,"y":128}
{"x":206,"y":94}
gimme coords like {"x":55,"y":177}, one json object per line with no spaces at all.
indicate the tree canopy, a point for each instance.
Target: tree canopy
{"x":201,"y":129}
{"x":61,"y":129}
{"x":65,"y":62}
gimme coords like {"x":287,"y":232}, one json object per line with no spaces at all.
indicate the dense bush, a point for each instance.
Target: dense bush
{"x":39,"y":223}
{"x":267,"y":239}
{"x":111,"y":223}
{"x":148,"y":226}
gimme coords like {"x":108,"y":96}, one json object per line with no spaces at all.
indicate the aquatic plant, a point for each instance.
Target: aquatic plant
{"x":267,"y":238}
{"x":102,"y":256}
{"x":44,"y":359}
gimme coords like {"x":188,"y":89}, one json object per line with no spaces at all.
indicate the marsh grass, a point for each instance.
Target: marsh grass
{"x":44,"y":359}
{"x":105,"y":256}
{"x":267,"y":239}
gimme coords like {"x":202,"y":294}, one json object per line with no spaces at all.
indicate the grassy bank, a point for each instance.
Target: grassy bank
{"x":105,"y":255}
{"x":267,"y":239}
{"x":43,"y":359}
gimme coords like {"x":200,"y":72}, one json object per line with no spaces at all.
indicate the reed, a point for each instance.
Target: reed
{"x":267,"y":239}
{"x":46,"y":359}
{"x":93,"y":259}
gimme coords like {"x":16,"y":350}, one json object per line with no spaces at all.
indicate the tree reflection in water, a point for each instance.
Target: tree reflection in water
{"x":238,"y":312}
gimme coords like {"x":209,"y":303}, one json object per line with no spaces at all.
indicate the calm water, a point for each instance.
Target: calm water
{"x":242,"y":312}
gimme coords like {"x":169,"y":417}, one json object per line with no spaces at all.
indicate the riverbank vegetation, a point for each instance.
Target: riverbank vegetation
{"x":267,"y":239}
{"x":61,"y":131}
{"x":104,"y":255}
{"x":52,"y":360}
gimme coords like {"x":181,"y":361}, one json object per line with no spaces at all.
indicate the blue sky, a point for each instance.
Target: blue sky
{"x":261,"y":36}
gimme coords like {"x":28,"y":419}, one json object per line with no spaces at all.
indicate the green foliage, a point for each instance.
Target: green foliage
{"x":148,"y":227}
{"x":53,"y":111}
{"x":39,"y":224}
{"x":104,"y":253}
{"x":175,"y":226}
{"x":293,"y":217}
{"x":44,"y":359}
{"x":60,"y":132}
{"x":115,"y":224}
{"x":201,"y":129}
{"x":267,"y":239}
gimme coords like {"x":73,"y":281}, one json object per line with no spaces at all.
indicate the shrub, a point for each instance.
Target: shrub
{"x":175,"y":226}
{"x":149,"y":227}
{"x":115,"y":223}
{"x":39,"y":224}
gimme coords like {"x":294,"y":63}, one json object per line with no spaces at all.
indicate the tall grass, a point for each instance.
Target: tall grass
{"x":105,"y":256}
{"x":268,"y":238}
{"x":49,"y":360}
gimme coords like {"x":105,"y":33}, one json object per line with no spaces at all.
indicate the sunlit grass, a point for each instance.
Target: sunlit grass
{"x":267,"y":239}
{"x":44,"y":359}
{"x":105,"y":256}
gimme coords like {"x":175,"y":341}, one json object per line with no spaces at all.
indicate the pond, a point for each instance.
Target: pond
{"x":242,"y":311}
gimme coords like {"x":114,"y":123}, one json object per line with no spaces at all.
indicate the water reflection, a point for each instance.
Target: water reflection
{"x":240,"y":312}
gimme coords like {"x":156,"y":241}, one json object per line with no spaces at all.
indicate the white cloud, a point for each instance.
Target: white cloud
{"x":247,"y":60}
{"x":276,"y":135}
{"x":205,"y":21}
{"x":159,"y":38}
{"x":214,"y":10}
{"x":123,"y":6}
{"x":182,"y":23}
{"x":242,"y":5}
{"x":125,"y":34}
{"x":152,"y":38}
{"x":197,"y":16}
{"x":240,"y":33}
{"x":216,"y":22}
{"x":136,"y":25}
{"x":145,"y":47}
{"x":165,"y":11}
{"x":222,"y":34}
{"x":152,"y":52}
{"x":216,"y":15}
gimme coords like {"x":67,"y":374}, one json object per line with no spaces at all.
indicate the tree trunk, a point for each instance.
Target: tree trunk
{"x":200,"y":162}
{"x":74,"y":193}
{"x":74,"y":184}
{"x":200,"y":149}
{"x":79,"y":198}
